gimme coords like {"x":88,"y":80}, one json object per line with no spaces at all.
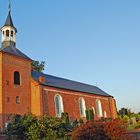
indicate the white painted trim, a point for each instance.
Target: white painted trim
{"x":78,"y":94}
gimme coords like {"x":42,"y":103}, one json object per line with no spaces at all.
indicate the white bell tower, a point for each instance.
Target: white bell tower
{"x":8,"y":31}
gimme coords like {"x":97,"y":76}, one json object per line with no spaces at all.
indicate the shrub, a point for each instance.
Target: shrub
{"x":109,"y":130}
{"x":90,"y":131}
{"x":117,"y":130}
{"x":137,"y":126}
{"x":29,"y":127}
{"x":126,"y":118}
{"x":19,"y":126}
{"x":48,"y":128}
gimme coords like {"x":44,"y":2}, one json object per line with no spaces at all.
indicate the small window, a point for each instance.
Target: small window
{"x":6,"y":125}
{"x":3,"y":32}
{"x":7,"y":33}
{"x":17,"y":100}
{"x":12,"y":33}
{"x":58,"y":105}
{"x":16,"y":78}
{"x":82,"y":107}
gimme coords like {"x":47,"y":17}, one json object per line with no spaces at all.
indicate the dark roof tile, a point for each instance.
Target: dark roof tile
{"x":68,"y":84}
{"x":13,"y":51}
{"x":9,"y":21}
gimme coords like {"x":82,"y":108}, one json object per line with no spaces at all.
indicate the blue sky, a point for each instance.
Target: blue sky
{"x":91,"y":41}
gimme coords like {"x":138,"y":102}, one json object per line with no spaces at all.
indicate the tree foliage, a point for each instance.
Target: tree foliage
{"x":38,"y":66}
{"x":29,"y":127}
{"x":125,"y":111}
{"x":108,"y":130}
{"x":48,"y":128}
{"x":19,"y":126}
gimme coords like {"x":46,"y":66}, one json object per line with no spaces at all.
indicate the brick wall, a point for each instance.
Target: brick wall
{"x":71,"y":102}
{"x":9,"y":91}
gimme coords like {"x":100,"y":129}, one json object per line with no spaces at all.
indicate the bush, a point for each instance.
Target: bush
{"x":20,"y":126}
{"x":48,"y":128}
{"x":117,"y":130}
{"x":137,"y":126}
{"x":126,"y":118}
{"x":90,"y":131}
{"x":29,"y":127}
{"x":110,"y":130}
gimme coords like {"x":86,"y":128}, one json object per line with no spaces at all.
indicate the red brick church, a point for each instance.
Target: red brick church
{"x":23,"y":90}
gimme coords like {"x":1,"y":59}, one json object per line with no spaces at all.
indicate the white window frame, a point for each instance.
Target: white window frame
{"x":99,"y":108}
{"x":60,"y":103}
{"x":82,"y":108}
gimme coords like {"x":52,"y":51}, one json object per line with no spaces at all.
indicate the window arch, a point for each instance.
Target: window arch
{"x":58,"y":105}
{"x":99,"y":108}
{"x":16,"y":78}
{"x":82,"y":107}
{"x":7,"y":33}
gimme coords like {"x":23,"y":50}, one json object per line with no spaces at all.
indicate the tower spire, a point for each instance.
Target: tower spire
{"x":8,"y":30}
{"x":9,"y":6}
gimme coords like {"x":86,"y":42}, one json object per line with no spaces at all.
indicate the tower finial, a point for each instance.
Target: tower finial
{"x":9,"y":6}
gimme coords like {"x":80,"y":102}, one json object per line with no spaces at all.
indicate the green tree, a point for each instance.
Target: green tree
{"x":29,"y":127}
{"x":48,"y":128}
{"x":38,"y":66}
{"x":19,"y":126}
{"x":124,"y":111}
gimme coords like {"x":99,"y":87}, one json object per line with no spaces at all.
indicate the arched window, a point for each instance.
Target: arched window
{"x":82,"y":107}
{"x":12,"y":33}
{"x":7,"y":33}
{"x":17,"y":100}
{"x":93,"y":110}
{"x":58,"y":105}
{"x":16,"y":78}
{"x":105,"y":114}
{"x":99,"y":108}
